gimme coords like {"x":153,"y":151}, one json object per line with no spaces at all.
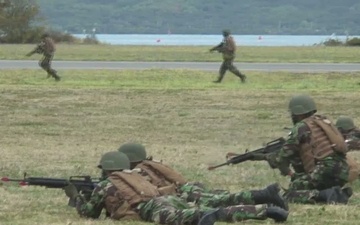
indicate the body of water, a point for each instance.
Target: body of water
{"x":210,"y":40}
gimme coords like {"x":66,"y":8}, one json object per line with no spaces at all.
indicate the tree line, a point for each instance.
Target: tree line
{"x":320,"y":17}
{"x":23,"y":21}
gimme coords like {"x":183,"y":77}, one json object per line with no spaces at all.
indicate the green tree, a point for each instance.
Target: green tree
{"x":19,"y":21}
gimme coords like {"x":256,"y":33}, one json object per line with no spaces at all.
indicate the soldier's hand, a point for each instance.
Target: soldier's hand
{"x":28,"y":55}
{"x":271,"y":159}
{"x":71,"y":191}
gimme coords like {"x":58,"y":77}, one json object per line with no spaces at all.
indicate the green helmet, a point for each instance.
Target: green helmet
{"x":135,"y":152}
{"x":301,"y":104}
{"x":226,"y":32}
{"x":114,"y":161}
{"x":345,"y":123}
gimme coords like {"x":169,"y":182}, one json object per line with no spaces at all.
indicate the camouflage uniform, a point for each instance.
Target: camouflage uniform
{"x":196,"y":192}
{"x":330,"y":171}
{"x":228,"y":48}
{"x":165,"y":209}
{"x":201,"y":195}
{"x":47,"y":48}
{"x":318,"y":151}
{"x":171,"y":210}
{"x":351,"y":133}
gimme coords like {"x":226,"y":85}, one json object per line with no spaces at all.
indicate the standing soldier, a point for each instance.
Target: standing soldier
{"x":126,"y":195}
{"x":350,"y":132}
{"x":47,"y":48}
{"x":228,"y":48}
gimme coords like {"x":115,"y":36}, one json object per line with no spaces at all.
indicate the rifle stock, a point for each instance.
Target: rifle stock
{"x":270,"y":147}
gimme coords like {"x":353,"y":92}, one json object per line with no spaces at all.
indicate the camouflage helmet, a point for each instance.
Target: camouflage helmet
{"x":226,"y":32}
{"x":345,"y":123}
{"x":301,"y":104}
{"x":135,"y":152}
{"x":114,"y":160}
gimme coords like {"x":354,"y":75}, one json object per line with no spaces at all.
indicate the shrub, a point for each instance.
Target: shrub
{"x":59,"y":36}
{"x":353,"y":42}
{"x":333,"y":42}
{"x":91,"y":40}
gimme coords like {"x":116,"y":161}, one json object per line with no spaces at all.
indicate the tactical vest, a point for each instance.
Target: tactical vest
{"x":161,"y":175}
{"x":132,"y":189}
{"x":324,"y":140}
{"x":49,"y":46}
{"x":229,"y":44}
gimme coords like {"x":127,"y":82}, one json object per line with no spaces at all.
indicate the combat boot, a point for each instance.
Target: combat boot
{"x":55,"y":75}
{"x":209,"y":218}
{"x":226,"y":215}
{"x":220,"y":78}
{"x":343,"y":195}
{"x":334,"y":195}
{"x":220,"y":214}
{"x":277,"y":214}
{"x":57,"y":78}
{"x":243,"y":78}
{"x":348,"y":191}
{"x":270,"y":195}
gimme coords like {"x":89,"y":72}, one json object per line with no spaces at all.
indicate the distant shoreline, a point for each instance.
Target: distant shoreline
{"x":209,"y":40}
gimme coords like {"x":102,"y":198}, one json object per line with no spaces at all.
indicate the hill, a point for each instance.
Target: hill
{"x":322,"y":17}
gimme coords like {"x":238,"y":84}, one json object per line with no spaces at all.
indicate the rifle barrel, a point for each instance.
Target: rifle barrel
{"x":217,"y":166}
{"x":249,"y":155}
{"x":6,"y":179}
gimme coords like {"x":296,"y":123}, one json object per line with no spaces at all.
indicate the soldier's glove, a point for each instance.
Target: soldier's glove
{"x":28,"y":55}
{"x":71,"y":191}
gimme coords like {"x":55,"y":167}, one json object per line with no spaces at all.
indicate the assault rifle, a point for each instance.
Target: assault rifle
{"x":217,"y":47}
{"x":270,"y":147}
{"x":38,"y":49}
{"x":84,"y":184}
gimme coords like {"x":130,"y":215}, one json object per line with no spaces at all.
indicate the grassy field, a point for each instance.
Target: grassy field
{"x":59,"y":129}
{"x":187,"y":53}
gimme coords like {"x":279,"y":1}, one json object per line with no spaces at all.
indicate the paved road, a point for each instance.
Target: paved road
{"x":209,"y":66}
